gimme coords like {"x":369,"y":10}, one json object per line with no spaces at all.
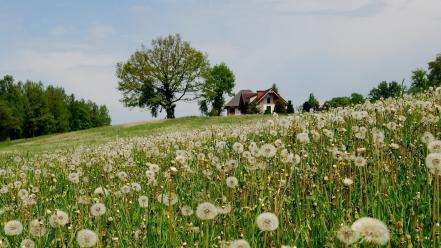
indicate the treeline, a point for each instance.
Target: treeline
{"x":421,"y":80}
{"x":30,"y":109}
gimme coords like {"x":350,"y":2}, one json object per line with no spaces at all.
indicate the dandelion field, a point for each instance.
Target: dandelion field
{"x":365,"y":176}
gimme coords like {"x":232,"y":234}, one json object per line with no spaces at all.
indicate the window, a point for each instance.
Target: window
{"x":268,"y":100}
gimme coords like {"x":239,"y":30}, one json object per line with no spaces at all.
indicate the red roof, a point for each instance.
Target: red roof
{"x":261,"y":94}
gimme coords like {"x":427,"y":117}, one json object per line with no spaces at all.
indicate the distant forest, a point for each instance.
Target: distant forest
{"x":30,"y":109}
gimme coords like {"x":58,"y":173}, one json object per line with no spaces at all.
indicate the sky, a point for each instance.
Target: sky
{"x":327,"y":47}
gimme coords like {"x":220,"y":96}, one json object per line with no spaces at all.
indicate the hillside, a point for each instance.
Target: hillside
{"x":109,"y":133}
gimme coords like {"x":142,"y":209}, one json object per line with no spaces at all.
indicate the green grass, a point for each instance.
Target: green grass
{"x":104,"y":134}
{"x":315,"y":172}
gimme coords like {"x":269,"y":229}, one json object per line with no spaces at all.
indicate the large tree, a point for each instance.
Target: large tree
{"x":159,"y":77}
{"x":219,"y":81}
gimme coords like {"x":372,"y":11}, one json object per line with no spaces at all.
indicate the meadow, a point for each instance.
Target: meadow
{"x":364,"y":176}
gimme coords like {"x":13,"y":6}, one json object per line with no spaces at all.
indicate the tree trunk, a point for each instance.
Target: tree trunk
{"x":170,"y":111}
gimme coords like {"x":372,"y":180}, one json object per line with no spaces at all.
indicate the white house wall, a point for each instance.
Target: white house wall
{"x":263,"y":104}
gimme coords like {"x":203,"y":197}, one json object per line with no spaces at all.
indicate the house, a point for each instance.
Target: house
{"x":264,"y":100}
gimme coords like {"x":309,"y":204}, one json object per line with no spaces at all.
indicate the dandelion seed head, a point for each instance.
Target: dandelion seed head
{"x":97,"y":209}
{"x":372,"y":230}
{"x":206,"y":211}
{"x":348,"y":236}
{"x":86,"y":238}
{"x":267,"y":221}
{"x":13,"y":228}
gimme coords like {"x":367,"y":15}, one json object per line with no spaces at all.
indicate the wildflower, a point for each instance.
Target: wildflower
{"x":150,"y":174}
{"x":122,"y":175}
{"x":348,"y":236}
{"x":268,"y":151}
{"x":101,"y":191}
{"x":348,"y":182}
{"x":240,"y":243}
{"x":378,"y":136}
{"x":267,"y":221}
{"x":98,"y":209}
{"x":359,"y":161}
{"x":27,"y":243}
{"x":13,"y":228}
{"x":37,"y":228}
{"x":154,"y":168}
{"x":238,"y":147}
{"x":433,"y":162}
{"x":59,"y":218}
{"x":143,"y":201}
{"x":303,"y":138}
{"x":394,"y":146}
{"x":125,"y":189}
{"x":427,"y":138}
{"x":186,"y":211}
{"x":434,"y":146}
{"x":168,"y":198}
{"x":372,"y":230}
{"x":206,"y":211}
{"x":86,"y":238}
{"x":231,"y":164}
{"x":232,"y":182}
{"x":136,"y":186}
{"x":74,"y":177}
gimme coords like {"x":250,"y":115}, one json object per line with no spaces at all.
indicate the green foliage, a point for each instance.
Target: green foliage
{"x":159,"y":77}
{"x":420,"y":82}
{"x":30,"y":109}
{"x":267,"y":111}
{"x":203,"y":107}
{"x":357,"y":98}
{"x":290,"y":108}
{"x":8,"y":122}
{"x":312,"y":103}
{"x":219,"y":81}
{"x":434,"y":75}
{"x":385,"y":90}
{"x":275,"y":88}
{"x":343,"y":101}
{"x":337,"y":102}
{"x":252,"y":108}
{"x":280,"y":107}
{"x":58,"y":106}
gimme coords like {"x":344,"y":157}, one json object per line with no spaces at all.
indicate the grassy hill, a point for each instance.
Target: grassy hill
{"x":104,"y":134}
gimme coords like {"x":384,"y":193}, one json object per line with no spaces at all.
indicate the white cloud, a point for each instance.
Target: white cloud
{"x":100,"y":32}
{"x":57,"y":31}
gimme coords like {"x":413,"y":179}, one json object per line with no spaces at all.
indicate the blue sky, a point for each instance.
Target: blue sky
{"x":328,"y":47}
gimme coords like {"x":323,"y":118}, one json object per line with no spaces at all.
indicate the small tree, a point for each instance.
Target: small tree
{"x":434,"y":75}
{"x":280,"y":107}
{"x":219,"y":81}
{"x":420,"y":82}
{"x":252,"y":108}
{"x":267,"y":111}
{"x":203,"y":107}
{"x":312,"y":103}
{"x":357,"y":98}
{"x":275,"y":88}
{"x":290,"y":108}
